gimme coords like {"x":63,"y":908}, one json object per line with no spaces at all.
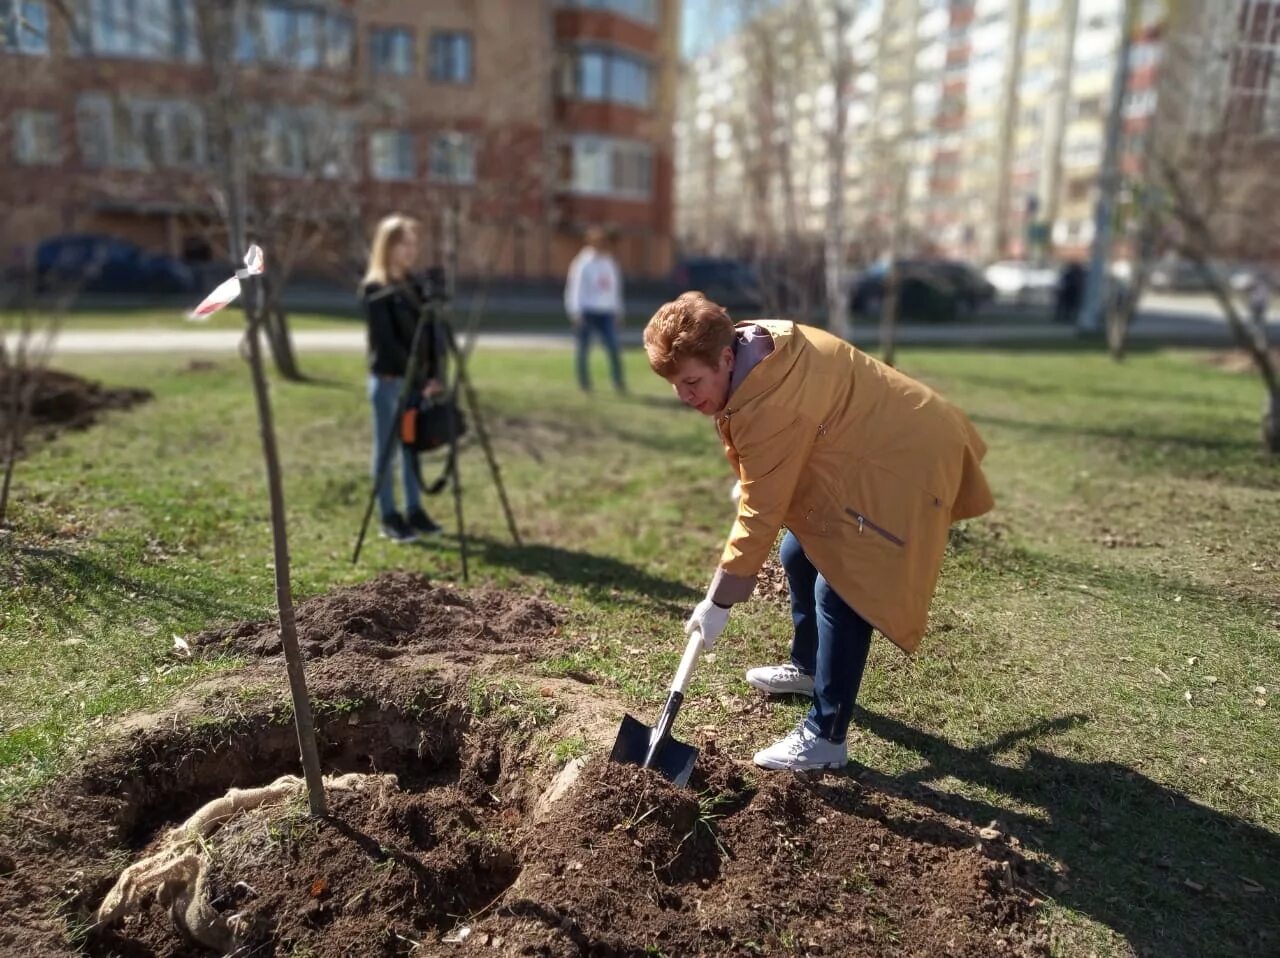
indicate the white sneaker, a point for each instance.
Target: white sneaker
{"x":801,"y":749}
{"x":780,"y":680}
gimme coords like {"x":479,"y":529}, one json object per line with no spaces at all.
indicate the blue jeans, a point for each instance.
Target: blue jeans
{"x":606,"y":327}
{"x":384,"y":395}
{"x":831,"y":643}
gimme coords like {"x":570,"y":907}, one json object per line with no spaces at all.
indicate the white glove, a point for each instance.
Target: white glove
{"x":735,"y":494}
{"x":709,"y":619}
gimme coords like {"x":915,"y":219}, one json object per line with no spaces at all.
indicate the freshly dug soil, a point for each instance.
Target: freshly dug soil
{"x":63,"y":400}
{"x":624,"y":864}
{"x":750,"y":863}
{"x":397,"y":612}
{"x":462,"y":856}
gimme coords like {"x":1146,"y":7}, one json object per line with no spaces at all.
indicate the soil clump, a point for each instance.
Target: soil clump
{"x":398,"y":612}
{"x":62,"y":401}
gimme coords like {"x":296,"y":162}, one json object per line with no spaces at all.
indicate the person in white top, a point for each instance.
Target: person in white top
{"x":593,"y":300}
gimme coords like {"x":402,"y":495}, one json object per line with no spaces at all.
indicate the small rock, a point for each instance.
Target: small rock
{"x":558,"y":788}
{"x":1006,"y":875}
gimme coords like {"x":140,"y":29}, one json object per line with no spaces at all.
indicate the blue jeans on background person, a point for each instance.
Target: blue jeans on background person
{"x":831,"y":643}
{"x":384,"y":395}
{"x":605,"y":325}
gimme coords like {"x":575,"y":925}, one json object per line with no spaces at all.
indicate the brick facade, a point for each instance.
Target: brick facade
{"x":521,"y":217}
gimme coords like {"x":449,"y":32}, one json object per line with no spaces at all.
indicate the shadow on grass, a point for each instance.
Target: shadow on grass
{"x":600,"y":577}
{"x":1037,"y":387}
{"x":1172,"y":876}
{"x":63,"y":582}
{"x":1134,"y":437}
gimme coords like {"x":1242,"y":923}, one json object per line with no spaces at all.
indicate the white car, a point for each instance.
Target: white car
{"x":1021,"y":282}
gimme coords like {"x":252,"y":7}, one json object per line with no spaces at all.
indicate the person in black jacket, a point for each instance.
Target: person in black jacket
{"x":1069,"y":294}
{"x":391,"y":300}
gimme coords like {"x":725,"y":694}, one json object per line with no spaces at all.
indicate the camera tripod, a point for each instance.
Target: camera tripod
{"x":431,"y":314}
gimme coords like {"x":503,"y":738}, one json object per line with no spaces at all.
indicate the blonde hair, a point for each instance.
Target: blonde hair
{"x":391,"y":230}
{"x":690,"y":326}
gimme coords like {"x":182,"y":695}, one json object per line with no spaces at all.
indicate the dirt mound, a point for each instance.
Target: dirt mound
{"x":629,"y":865}
{"x":395,"y":612}
{"x":64,"y":401}
{"x":454,"y":857}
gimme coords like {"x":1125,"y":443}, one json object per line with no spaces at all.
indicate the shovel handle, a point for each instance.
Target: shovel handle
{"x":692,"y":649}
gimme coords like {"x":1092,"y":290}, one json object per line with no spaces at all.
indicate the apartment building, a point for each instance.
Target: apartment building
{"x":507,"y":126}
{"x":1001,"y":137}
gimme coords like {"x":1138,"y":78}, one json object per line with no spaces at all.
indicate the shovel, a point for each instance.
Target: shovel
{"x":638,"y":744}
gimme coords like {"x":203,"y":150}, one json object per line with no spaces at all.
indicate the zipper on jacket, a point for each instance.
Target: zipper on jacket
{"x":864,"y":521}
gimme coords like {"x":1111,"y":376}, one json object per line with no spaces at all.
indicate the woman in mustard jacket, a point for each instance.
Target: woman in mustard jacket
{"x":865,"y":468}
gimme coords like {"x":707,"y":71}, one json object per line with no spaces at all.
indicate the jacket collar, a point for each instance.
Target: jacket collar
{"x":770,"y":371}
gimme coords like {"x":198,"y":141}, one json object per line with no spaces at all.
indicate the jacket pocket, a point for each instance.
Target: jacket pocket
{"x":864,"y":523}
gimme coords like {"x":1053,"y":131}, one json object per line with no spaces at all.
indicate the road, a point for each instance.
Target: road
{"x":1163,"y":320}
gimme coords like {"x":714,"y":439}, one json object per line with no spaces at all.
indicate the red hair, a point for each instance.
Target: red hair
{"x":689,"y":327}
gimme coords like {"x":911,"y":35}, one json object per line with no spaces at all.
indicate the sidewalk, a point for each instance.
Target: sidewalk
{"x":1166,"y":331}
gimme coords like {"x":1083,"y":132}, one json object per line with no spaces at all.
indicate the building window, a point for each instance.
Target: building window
{"x":339,"y":41}
{"x":643,"y":11}
{"x":604,"y":166}
{"x":303,"y":141}
{"x":1138,"y":103}
{"x":295,"y":35}
{"x":139,"y":134}
{"x":453,"y":158}
{"x":598,"y":74}
{"x":451,"y":57}
{"x":24,"y":27}
{"x":36,"y":138}
{"x":391,"y":51}
{"x":391,"y":155}
{"x":137,"y":29}
{"x":1089,"y":108}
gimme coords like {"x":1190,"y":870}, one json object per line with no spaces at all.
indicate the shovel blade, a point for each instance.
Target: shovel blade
{"x":674,"y":760}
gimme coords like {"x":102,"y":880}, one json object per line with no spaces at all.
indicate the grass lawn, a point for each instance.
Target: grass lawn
{"x":1104,"y":649}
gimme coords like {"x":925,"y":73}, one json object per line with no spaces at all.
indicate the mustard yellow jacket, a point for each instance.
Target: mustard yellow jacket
{"x":867,"y":467}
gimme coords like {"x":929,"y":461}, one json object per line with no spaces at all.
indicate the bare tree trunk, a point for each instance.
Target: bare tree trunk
{"x":279,"y":339}
{"x":905,"y":156}
{"x":1051,"y":177}
{"x":1122,"y":310}
{"x":22,"y":362}
{"x":302,"y":716}
{"x":1009,"y":101}
{"x":15,"y":428}
{"x":892,"y":290}
{"x":1252,"y":340}
{"x":1093,"y":310}
{"x":834,"y":252}
{"x":251,"y":300}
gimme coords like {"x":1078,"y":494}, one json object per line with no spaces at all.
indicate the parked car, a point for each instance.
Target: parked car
{"x":729,"y":282}
{"x":925,"y":292}
{"x":972,"y":288}
{"x":1172,"y":274}
{"x":1022,"y":282}
{"x":106,"y":264}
